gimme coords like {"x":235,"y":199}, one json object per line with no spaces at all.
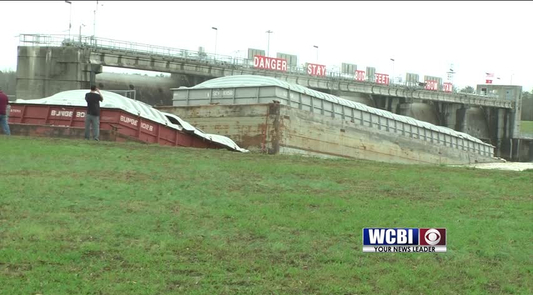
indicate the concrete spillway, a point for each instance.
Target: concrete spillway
{"x":287,"y":118}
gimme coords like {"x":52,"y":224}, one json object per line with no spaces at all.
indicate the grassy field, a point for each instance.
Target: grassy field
{"x":526,"y":127}
{"x":82,"y":217}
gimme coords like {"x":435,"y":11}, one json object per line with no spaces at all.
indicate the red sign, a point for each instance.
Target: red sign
{"x":316,"y":70}
{"x":431,"y":85}
{"x":447,"y":87}
{"x":269,"y":63}
{"x":360,"y":75}
{"x":382,"y":79}
{"x":488,"y":81}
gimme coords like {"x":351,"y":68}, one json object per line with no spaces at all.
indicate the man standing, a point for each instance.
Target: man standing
{"x":92,"y":117}
{"x":4,"y":101}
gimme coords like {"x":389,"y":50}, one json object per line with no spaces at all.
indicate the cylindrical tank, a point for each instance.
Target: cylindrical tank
{"x":151,"y":90}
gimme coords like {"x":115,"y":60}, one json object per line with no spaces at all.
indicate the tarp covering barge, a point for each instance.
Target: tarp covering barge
{"x":129,"y":118}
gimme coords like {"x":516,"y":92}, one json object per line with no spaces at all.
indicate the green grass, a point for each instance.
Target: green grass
{"x":82,"y":217}
{"x":526,"y":127}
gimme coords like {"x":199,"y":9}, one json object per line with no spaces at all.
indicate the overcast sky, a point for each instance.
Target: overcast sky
{"x":422,"y":37}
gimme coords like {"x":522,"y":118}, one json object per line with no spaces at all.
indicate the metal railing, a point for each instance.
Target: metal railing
{"x":103,"y":44}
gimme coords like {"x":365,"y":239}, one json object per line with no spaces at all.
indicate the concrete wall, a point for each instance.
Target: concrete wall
{"x":276,"y":128}
{"x":474,"y":122}
{"x":420,"y":111}
{"x":44,"y":71}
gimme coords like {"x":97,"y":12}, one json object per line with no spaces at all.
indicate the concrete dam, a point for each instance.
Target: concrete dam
{"x":50,"y":64}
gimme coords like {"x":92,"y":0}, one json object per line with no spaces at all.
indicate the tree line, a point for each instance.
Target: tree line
{"x":8,"y":82}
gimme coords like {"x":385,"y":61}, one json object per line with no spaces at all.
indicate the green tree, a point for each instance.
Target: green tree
{"x":468,"y":89}
{"x":8,"y":82}
{"x":527,"y":106}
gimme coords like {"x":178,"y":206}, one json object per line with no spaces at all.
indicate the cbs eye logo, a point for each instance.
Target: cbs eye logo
{"x":432,"y":236}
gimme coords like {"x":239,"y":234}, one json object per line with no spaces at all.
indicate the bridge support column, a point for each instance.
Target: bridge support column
{"x":461,"y":120}
{"x":419,"y":111}
{"x":473,"y":121}
{"x":380,"y":101}
{"x":93,"y":71}
{"x":497,"y":126}
{"x":44,"y":71}
{"x":392,"y":104}
{"x":449,"y":114}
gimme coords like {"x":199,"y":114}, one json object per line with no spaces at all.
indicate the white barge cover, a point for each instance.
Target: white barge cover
{"x":135,"y":107}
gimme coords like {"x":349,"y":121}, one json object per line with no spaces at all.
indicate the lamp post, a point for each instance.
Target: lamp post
{"x":393,"y":78}
{"x":216,"y":37}
{"x":80,"y":30}
{"x":316,"y":46}
{"x":511,"y":83}
{"x":450,"y":75}
{"x":236,"y":56}
{"x":94,"y":19}
{"x":268,"y":44}
{"x":70,"y":18}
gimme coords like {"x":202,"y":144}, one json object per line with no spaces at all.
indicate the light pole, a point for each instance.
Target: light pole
{"x":94,"y":19}
{"x":450,"y":75}
{"x":511,"y":83}
{"x":393,"y":78}
{"x":216,"y":37}
{"x":236,"y":56}
{"x":70,"y":18}
{"x":268,"y":44}
{"x":316,"y":46}
{"x":80,"y":30}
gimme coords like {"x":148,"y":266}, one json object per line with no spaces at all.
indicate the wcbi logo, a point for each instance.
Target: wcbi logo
{"x":404,"y":240}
